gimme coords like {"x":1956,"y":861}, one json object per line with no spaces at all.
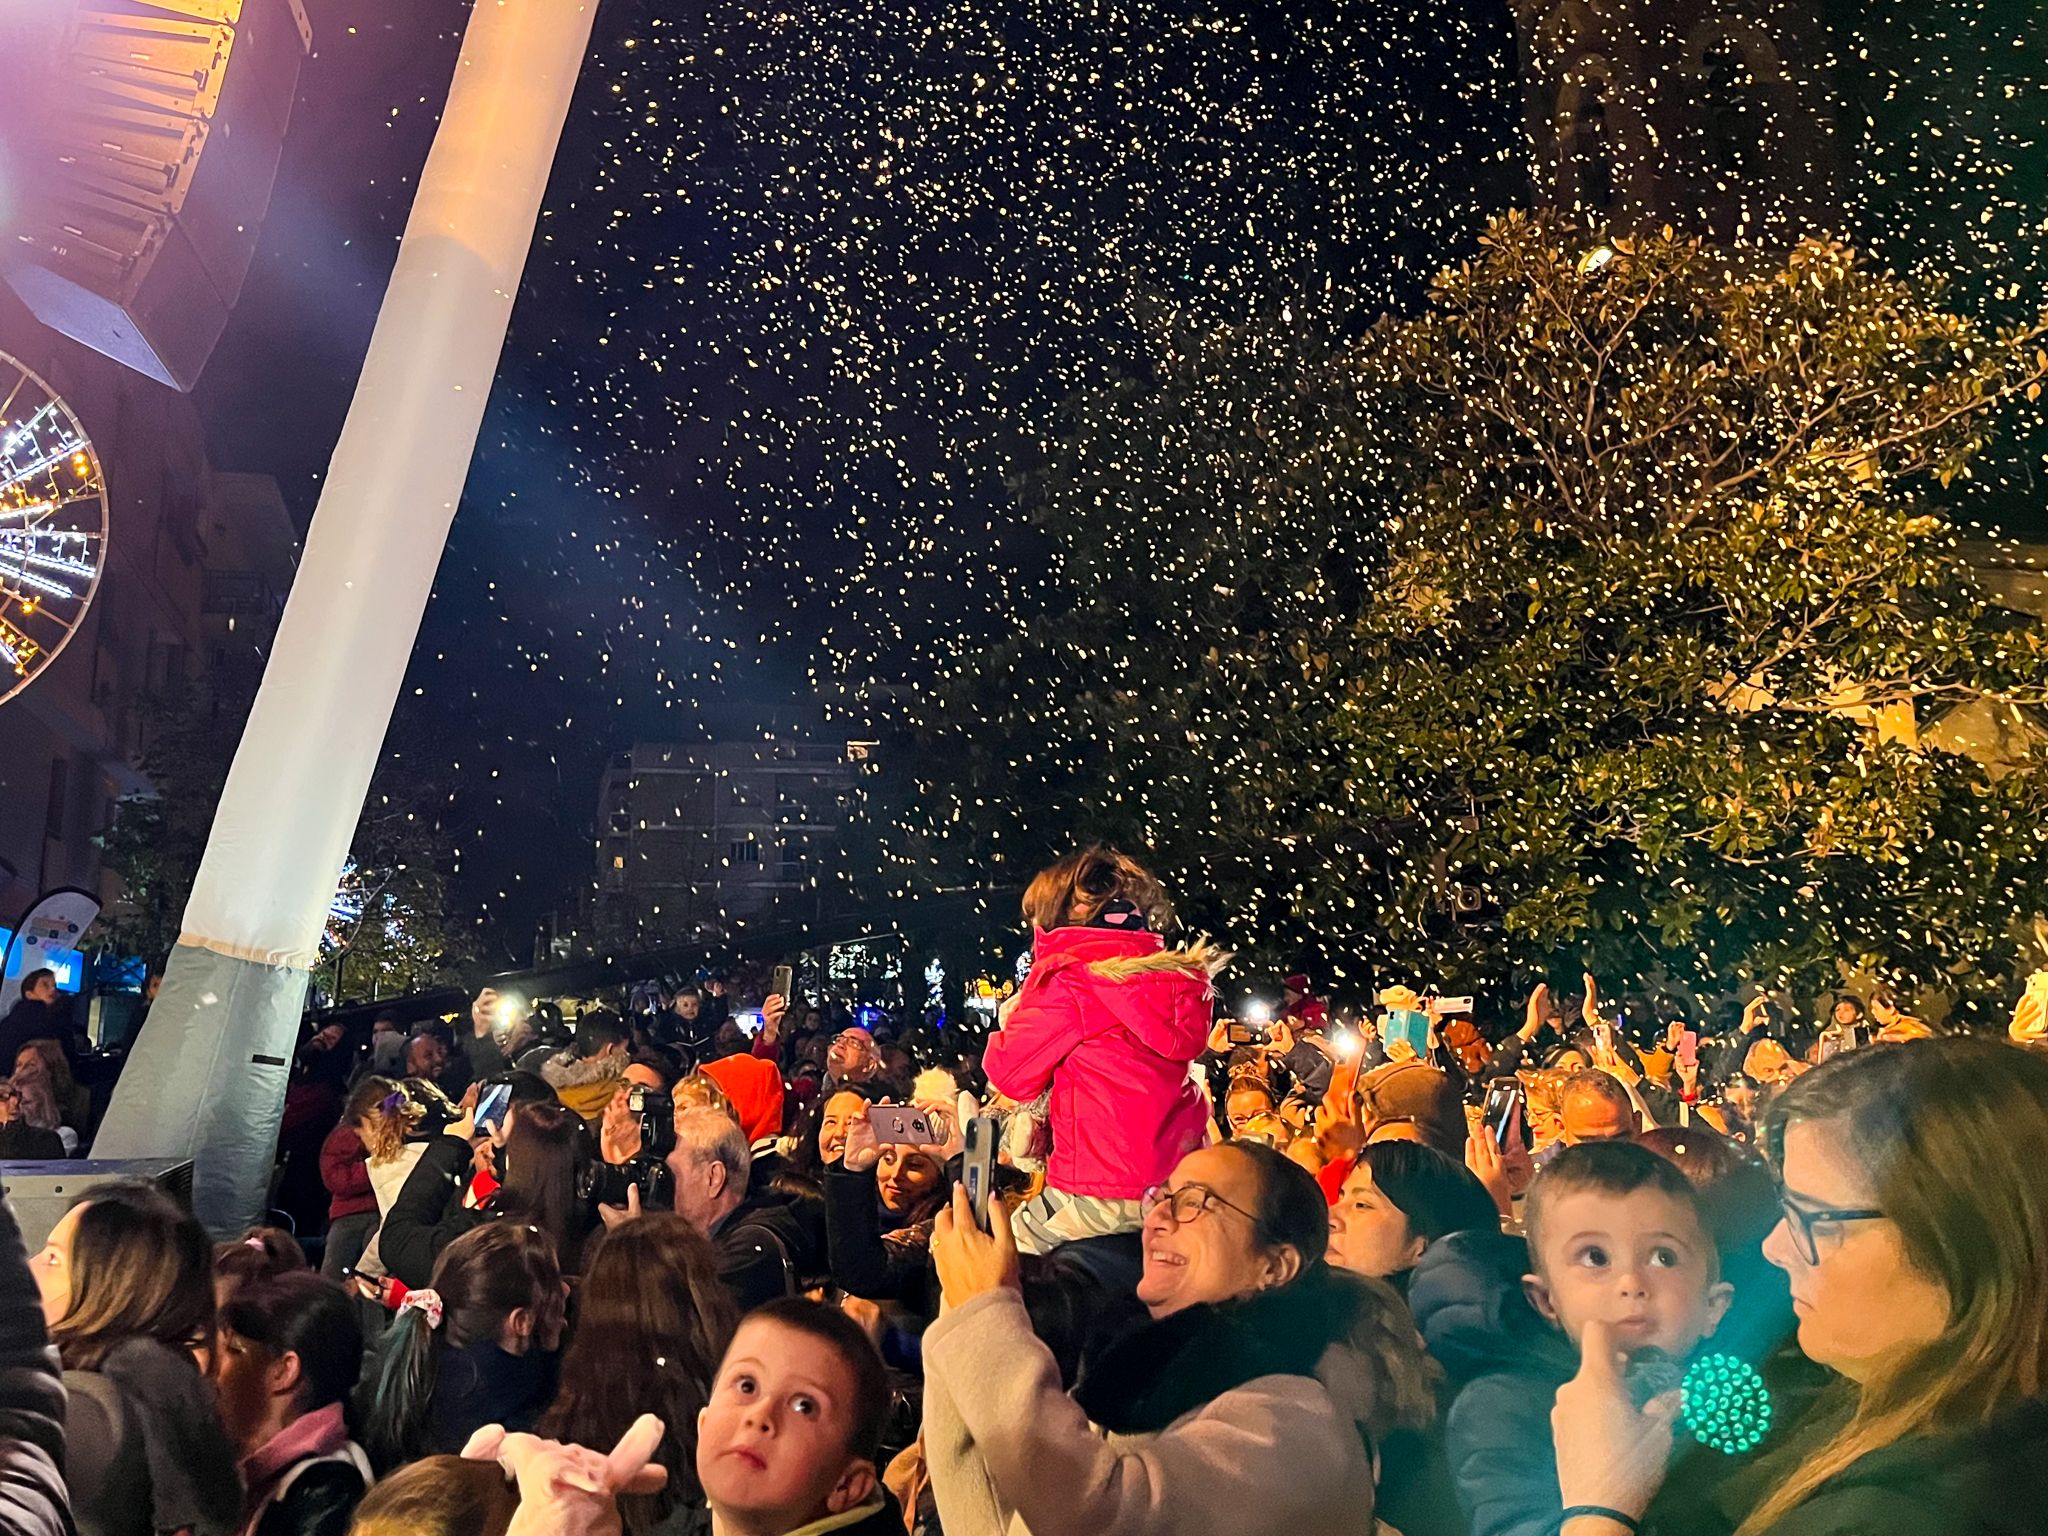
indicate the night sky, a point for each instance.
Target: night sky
{"x":807,"y":283}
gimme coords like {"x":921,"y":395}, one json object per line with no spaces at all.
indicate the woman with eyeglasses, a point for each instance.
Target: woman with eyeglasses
{"x":1914,"y":1231}
{"x":1250,"y":1402}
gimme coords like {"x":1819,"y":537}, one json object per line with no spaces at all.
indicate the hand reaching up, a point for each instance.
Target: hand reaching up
{"x":570,"y":1490}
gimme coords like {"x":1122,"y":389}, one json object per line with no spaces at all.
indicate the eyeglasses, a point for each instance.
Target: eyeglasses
{"x":1800,"y":1222}
{"x":1189,"y":1203}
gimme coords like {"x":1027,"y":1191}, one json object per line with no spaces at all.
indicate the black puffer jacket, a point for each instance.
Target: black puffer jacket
{"x":32,"y":1497}
{"x":429,"y":1213}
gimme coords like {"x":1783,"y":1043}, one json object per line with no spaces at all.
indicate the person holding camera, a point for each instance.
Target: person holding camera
{"x":880,"y":1202}
{"x":534,"y":1165}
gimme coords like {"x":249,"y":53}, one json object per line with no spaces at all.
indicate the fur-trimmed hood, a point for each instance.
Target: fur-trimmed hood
{"x":584,"y":1083}
{"x":1160,"y":994}
{"x":1109,"y":1019}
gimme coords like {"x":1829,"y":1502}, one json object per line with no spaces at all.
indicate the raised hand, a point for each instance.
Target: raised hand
{"x":571,"y":1490}
{"x":972,"y":1262}
{"x":1610,"y":1453}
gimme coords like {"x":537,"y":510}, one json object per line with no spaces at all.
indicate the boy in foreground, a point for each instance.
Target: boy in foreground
{"x":785,"y":1447}
{"x":1618,"y":1245}
{"x":787,"y":1444}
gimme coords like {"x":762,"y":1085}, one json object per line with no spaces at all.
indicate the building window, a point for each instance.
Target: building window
{"x":748,"y":852}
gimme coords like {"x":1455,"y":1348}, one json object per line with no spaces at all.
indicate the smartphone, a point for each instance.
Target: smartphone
{"x":781,"y":982}
{"x":1689,"y":1048}
{"x":1240,"y":1033}
{"x":1408,"y":1024}
{"x":1445,"y":1006}
{"x":978,"y":1166}
{"x":493,"y":1105}
{"x":904,"y":1125}
{"x":1603,"y":1036}
{"x":1503,"y":1112}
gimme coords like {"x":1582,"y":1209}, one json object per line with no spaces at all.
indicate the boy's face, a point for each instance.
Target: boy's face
{"x":772,"y":1442}
{"x":1639,"y":1262}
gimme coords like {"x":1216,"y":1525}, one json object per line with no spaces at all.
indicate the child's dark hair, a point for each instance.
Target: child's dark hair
{"x":304,"y":1314}
{"x":482,"y":1278}
{"x":844,"y":1337}
{"x":1617,"y":1168}
{"x":259,"y":1254}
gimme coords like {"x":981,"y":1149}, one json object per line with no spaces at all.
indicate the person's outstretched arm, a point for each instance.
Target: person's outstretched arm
{"x":32,"y":1496}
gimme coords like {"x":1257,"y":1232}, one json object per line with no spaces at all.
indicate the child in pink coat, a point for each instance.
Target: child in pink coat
{"x":1109,"y":1020}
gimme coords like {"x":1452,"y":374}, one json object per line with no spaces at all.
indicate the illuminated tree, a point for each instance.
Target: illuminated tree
{"x":1602,"y":599}
{"x":390,"y":923}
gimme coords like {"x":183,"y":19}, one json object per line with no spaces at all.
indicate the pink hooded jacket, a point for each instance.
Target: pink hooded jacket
{"x":1110,"y":1019}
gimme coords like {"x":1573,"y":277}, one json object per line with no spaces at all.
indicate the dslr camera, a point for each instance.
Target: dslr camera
{"x":648,"y":1170}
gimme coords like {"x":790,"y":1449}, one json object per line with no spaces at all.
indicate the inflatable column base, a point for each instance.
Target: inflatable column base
{"x":206,"y":1080}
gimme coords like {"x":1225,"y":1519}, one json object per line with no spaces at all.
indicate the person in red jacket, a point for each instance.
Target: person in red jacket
{"x":345,"y":1170}
{"x":1107,"y":1024}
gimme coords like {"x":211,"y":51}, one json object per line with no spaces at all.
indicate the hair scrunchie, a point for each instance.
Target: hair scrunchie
{"x":425,"y":1301}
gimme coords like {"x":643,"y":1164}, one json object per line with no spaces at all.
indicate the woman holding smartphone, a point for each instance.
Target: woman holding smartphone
{"x":880,"y":1201}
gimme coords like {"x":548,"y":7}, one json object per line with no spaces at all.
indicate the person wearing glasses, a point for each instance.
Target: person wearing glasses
{"x":1914,"y":1231}
{"x":1249,"y":1403}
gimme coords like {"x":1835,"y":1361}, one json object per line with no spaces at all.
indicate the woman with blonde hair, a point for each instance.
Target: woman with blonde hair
{"x":1914,"y":1230}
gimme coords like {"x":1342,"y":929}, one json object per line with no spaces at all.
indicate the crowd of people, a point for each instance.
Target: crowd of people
{"x":1643,"y":1264}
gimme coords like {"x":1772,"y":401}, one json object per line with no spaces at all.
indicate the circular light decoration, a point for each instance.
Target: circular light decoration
{"x":53,"y":525}
{"x":1727,"y":1406}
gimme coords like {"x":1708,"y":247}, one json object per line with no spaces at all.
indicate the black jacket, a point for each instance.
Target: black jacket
{"x":1468,"y":1302}
{"x":30,"y":1020}
{"x":428,"y":1214}
{"x":868,"y":1262}
{"x":21,"y":1142}
{"x":32,"y":1497}
{"x":145,"y":1450}
{"x":761,"y":1251}
{"x":321,"y":1501}
{"x":1979,"y":1481}
{"x":483,"y":1384}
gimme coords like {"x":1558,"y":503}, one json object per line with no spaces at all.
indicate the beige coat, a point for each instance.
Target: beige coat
{"x":1012,"y":1455}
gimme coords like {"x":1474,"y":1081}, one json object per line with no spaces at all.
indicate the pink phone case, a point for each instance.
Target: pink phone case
{"x":902,"y":1125}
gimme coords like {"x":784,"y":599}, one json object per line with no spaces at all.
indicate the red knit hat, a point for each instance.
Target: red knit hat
{"x":754,"y":1084}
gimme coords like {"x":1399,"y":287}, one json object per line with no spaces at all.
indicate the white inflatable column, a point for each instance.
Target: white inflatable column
{"x":207,"y":1076}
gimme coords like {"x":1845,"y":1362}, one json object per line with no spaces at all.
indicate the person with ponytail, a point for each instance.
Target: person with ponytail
{"x":1106,"y":1027}
{"x":1913,"y":1230}
{"x":479,"y":1346}
{"x":1251,"y":1403}
{"x":290,"y":1351}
